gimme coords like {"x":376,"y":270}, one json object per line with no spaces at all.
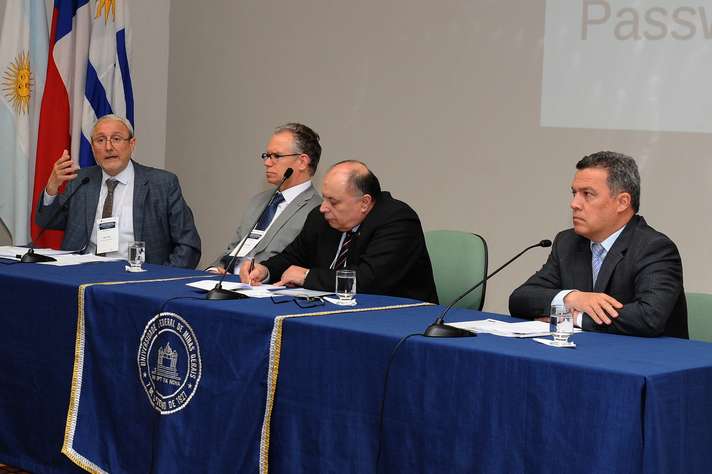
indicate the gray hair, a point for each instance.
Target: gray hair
{"x":622,"y":170}
{"x":117,"y":118}
{"x":306,"y":140}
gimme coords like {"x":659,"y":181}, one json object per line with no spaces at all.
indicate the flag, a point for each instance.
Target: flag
{"x":88,"y":76}
{"x":23,"y":60}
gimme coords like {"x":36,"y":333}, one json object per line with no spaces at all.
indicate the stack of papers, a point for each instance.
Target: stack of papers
{"x":500,"y":328}
{"x":63,"y":257}
{"x":8,"y":251}
{"x":261,"y":291}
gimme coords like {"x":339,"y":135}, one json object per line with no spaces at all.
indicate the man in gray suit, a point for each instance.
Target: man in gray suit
{"x":119,"y":201}
{"x":295,"y":146}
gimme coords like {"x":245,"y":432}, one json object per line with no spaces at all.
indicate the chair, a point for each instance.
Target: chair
{"x":459,"y":261}
{"x":5,"y":235}
{"x":699,"y":316}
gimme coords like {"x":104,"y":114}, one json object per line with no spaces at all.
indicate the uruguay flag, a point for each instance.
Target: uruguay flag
{"x":88,"y":76}
{"x":23,"y":61}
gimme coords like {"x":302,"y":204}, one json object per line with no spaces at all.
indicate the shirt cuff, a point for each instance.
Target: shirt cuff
{"x":47,"y":200}
{"x":559,"y":300}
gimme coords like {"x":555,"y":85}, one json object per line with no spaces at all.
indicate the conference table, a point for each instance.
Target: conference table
{"x":108,"y":371}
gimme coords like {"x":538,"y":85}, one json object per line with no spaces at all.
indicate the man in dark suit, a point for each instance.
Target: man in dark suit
{"x":141,"y":203}
{"x":357,"y":227}
{"x":617,"y":273}
{"x":294,"y":146}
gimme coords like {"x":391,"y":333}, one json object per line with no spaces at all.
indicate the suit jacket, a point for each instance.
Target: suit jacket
{"x":388,"y":253}
{"x":642,"y":270}
{"x":161,"y":217}
{"x":282,"y":231}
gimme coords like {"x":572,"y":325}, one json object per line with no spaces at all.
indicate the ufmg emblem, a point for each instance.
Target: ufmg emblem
{"x":169,"y":363}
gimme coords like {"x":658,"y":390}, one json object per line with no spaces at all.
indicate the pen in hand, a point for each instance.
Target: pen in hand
{"x":249,"y":271}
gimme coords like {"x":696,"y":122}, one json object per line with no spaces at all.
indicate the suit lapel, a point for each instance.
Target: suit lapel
{"x":583,"y":277}
{"x":91,"y":199}
{"x":283,"y":218}
{"x":139,"y":199}
{"x":615,"y":255}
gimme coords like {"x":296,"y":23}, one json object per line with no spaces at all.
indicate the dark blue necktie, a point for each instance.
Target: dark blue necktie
{"x":269,"y":213}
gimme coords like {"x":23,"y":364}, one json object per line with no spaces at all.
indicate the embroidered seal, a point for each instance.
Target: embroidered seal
{"x":169,"y":364}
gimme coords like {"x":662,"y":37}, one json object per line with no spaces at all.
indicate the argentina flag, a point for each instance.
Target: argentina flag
{"x":88,"y":75}
{"x":23,"y":61}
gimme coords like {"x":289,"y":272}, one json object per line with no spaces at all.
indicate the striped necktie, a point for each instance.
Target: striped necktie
{"x":597,"y":257}
{"x":344,"y":251}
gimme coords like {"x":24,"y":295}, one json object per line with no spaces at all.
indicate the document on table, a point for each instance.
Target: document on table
{"x":260,"y":291}
{"x":64,"y":257}
{"x":302,"y":293}
{"x":501,"y":328}
{"x":14,"y":253}
{"x":77,"y":259}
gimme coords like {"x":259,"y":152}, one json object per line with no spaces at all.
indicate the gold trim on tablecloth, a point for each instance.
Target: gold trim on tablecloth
{"x":76,"y":389}
{"x":275,"y":349}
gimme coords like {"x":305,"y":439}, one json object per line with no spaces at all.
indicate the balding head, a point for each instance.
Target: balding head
{"x":350,"y":190}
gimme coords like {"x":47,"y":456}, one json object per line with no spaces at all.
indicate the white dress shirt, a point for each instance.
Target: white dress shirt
{"x":122,"y":209}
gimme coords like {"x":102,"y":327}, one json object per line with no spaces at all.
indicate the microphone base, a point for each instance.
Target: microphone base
{"x":443,"y":330}
{"x":220,"y":293}
{"x":31,"y":257}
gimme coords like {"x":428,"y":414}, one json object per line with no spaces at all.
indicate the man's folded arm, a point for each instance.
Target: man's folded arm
{"x":658,"y":286}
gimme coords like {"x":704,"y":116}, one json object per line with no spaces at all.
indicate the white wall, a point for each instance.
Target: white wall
{"x":442,"y":99}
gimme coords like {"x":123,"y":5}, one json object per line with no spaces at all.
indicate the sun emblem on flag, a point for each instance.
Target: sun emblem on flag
{"x":105,"y":6}
{"x":17,"y":83}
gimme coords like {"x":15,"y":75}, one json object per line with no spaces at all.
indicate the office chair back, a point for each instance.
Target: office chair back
{"x":699,"y":316}
{"x":459,"y":261}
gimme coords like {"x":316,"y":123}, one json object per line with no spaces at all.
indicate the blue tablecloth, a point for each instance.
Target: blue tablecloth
{"x":305,"y":397}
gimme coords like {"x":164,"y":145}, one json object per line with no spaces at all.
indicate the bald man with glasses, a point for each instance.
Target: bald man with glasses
{"x":294,"y":146}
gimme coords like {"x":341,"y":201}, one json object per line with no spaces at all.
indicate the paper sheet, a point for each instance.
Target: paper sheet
{"x":261,"y":291}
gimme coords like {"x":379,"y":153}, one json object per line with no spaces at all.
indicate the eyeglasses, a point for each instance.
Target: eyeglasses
{"x":276,"y":156}
{"x":302,"y":302}
{"x":115,"y":140}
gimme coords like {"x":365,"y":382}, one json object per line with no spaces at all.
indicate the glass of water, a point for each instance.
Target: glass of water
{"x":561,"y":324}
{"x":137,"y":255}
{"x":346,"y":286}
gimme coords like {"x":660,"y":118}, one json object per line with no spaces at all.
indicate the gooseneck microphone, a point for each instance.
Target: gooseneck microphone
{"x":30,"y":256}
{"x":440,"y":329}
{"x":218,"y":292}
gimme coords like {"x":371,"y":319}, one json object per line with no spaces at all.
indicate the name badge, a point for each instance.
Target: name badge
{"x":107,"y":235}
{"x":250,"y":243}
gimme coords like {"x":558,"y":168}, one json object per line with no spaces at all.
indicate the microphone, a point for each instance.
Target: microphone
{"x":440,"y":329}
{"x":218,"y":292}
{"x":30,"y":256}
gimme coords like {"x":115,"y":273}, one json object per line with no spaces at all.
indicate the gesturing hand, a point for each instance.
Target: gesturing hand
{"x":63,"y":170}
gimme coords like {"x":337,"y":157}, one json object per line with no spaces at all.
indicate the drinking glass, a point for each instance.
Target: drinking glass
{"x":561,"y":324}
{"x":346,"y":285}
{"x":137,"y":255}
